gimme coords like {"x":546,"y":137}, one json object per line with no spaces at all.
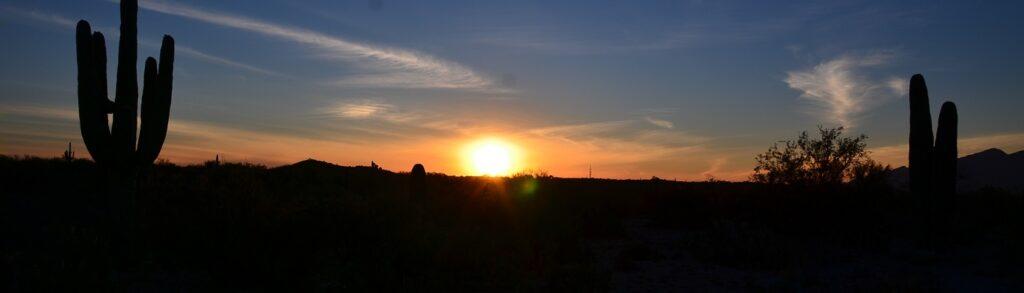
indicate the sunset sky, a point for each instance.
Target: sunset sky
{"x":674,"y":89}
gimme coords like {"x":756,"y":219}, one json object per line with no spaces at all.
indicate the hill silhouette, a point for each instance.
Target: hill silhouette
{"x":991,"y":168}
{"x":314,"y":225}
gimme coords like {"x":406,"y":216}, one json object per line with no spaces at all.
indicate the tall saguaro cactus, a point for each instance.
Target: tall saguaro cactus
{"x":115,"y":147}
{"x":920,"y":159}
{"x":944,"y":174}
{"x":932,"y":163}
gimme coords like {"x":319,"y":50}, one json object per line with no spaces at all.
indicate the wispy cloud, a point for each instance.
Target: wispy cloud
{"x":377,"y":116}
{"x":222,"y":61}
{"x":396,"y":67}
{"x":112,"y":34}
{"x":899,"y":86}
{"x":660,"y":122}
{"x":556,"y":40}
{"x":38,"y":111}
{"x":362,"y":109}
{"x":568,"y":131}
{"x":38,"y":16}
{"x":625,"y":140}
{"x":839,"y":88}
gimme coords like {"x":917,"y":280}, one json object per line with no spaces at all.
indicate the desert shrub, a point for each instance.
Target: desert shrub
{"x":831,"y":159}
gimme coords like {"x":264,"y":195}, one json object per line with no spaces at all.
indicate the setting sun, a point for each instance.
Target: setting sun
{"x":491,"y":157}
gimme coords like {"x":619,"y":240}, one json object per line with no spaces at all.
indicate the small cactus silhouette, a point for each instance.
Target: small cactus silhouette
{"x":932,"y":163}
{"x":214,"y":163}
{"x":116,"y":147}
{"x":418,"y":181}
{"x":69,"y":154}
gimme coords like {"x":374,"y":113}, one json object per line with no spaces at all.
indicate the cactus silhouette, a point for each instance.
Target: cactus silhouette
{"x":920,"y":159}
{"x":944,"y":172}
{"x":116,"y":147}
{"x":932,"y":164}
{"x":69,"y":154}
{"x":418,"y":181}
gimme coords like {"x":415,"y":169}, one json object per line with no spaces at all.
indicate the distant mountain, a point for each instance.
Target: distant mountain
{"x":310,"y":164}
{"x":989,"y":168}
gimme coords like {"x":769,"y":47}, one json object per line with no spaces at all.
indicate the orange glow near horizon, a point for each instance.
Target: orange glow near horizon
{"x":491,"y":157}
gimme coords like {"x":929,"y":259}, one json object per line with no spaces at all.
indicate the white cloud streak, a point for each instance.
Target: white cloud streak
{"x":839,"y":89}
{"x":39,"y":16}
{"x":660,"y":122}
{"x":899,"y":86}
{"x":112,"y":35}
{"x":378,"y":116}
{"x":398,"y":67}
{"x":362,"y":109}
{"x":223,"y":61}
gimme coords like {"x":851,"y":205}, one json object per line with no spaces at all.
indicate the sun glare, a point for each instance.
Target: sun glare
{"x":491,"y":157}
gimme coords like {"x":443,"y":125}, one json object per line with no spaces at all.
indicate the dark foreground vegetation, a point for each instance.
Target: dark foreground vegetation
{"x":316,"y":226}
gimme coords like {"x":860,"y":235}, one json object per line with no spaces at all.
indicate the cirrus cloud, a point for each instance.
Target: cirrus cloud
{"x":660,"y":122}
{"x":395,"y":67}
{"x":840,"y":90}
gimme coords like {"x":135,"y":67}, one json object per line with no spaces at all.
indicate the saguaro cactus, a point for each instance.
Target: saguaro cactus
{"x":69,"y":154}
{"x":932,"y":163}
{"x":115,"y":147}
{"x":920,"y":159}
{"x":944,"y":174}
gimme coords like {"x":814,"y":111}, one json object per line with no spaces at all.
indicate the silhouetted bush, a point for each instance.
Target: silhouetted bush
{"x":829,"y":160}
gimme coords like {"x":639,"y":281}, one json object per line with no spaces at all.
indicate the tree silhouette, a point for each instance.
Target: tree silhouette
{"x":831,"y":159}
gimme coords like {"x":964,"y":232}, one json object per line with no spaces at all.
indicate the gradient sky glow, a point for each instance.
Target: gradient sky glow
{"x":674,"y":89}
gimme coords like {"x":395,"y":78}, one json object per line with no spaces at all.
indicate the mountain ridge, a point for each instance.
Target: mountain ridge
{"x":992,"y":168}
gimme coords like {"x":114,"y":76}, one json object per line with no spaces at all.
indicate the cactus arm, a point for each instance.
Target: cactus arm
{"x":946,"y":150}
{"x":92,"y":98}
{"x":101,"y":101}
{"x":156,"y":103}
{"x":167,"y":66}
{"x":100,"y":56}
{"x":920,"y":137}
{"x":127,"y":97}
{"x":99,"y":51}
{"x":150,"y":113}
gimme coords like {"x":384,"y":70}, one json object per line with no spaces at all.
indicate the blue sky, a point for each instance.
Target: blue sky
{"x":675,"y":89}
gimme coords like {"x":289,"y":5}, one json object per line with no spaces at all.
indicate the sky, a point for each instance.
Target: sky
{"x":685,"y":90}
